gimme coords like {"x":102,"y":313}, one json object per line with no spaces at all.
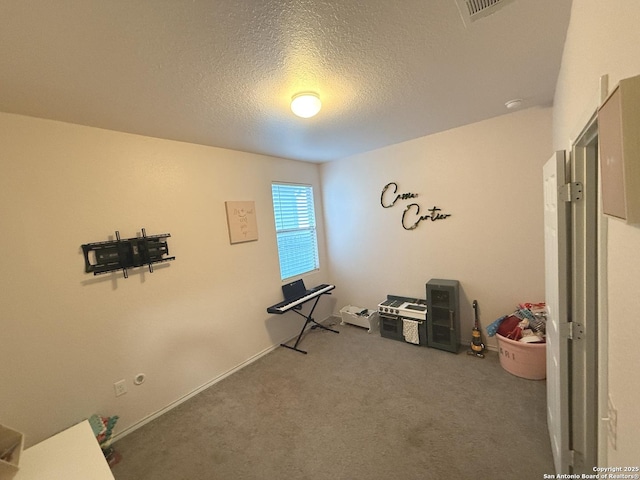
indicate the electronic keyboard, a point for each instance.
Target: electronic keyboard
{"x":288,"y":304}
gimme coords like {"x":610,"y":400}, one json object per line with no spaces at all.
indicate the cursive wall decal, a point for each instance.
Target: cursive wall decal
{"x":411,"y":217}
{"x":384,"y":196}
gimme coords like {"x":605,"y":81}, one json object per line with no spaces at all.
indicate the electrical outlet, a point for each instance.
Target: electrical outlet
{"x":120,"y":387}
{"x":613,"y":423}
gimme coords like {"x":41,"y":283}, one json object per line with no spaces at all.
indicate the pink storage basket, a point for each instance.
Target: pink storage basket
{"x":526,"y":360}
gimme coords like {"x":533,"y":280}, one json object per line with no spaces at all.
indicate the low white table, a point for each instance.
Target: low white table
{"x":73,"y":454}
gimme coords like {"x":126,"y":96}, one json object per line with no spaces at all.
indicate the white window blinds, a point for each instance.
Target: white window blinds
{"x":295,"y":228}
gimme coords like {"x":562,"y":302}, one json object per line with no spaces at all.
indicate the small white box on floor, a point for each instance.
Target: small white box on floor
{"x":360,"y":317}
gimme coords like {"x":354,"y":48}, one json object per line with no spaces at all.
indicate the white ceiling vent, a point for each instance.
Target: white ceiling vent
{"x":472,"y":10}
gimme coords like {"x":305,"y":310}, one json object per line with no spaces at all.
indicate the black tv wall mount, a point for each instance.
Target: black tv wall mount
{"x":119,"y":254}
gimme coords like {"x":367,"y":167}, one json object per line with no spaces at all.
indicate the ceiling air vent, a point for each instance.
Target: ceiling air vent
{"x":472,"y":10}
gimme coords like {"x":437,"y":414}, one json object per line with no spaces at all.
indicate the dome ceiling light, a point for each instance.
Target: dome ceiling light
{"x":306,"y":104}
{"x":513,"y":104}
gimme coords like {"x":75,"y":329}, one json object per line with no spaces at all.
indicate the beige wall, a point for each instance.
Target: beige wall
{"x":604,"y":38}
{"x":488,"y":176}
{"x":67,"y":336}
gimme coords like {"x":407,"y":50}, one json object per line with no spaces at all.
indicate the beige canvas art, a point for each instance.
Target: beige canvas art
{"x":241,"y":220}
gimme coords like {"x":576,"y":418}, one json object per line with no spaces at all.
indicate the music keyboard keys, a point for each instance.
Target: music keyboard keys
{"x":283,"y":307}
{"x":290,"y":304}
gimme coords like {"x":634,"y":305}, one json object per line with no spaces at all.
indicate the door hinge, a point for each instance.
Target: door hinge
{"x":571,"y":330}
{"x":566,"y":330}
{"x":571,"y":458}
{"x":570,"y":192}
{"x":577,"y":331}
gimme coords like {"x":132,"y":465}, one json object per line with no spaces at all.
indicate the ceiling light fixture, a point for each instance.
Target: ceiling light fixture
{"x":513,"y":104}
{"x":305,"y":104}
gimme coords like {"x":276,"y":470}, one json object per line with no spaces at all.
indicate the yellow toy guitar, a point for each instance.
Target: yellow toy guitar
{"x":477,"y":347}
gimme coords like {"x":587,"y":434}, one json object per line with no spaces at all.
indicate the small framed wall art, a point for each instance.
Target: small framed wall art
{"x":241,"y":220}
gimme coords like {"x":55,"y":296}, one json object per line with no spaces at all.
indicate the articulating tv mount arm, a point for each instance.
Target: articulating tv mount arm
{"x":119,"y":254}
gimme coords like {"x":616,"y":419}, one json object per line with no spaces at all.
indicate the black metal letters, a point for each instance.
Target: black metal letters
{"x":411,"y":217}
{"x":402,"y":196}
{"x":433,"y":216}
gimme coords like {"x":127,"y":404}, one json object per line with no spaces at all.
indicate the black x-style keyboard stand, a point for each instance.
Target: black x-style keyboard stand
{"x":308,"y":319}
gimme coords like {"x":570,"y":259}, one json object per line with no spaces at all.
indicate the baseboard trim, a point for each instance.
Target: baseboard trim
{"x":174,"y":404}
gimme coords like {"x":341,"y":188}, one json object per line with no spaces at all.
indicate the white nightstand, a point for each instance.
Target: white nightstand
{"x":73,"y":454}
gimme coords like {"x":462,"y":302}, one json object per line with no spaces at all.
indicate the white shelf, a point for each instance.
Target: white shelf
{"x":73,"y":454}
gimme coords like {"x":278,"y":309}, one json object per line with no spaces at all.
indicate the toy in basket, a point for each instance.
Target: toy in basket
{"x":103,"y":428}
{"x":521,"y":341}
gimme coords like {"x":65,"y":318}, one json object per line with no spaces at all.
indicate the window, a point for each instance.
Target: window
{"x":295,"y":228}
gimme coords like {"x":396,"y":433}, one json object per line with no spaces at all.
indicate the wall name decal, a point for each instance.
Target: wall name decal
{"x":402,"y":196}
{"x":433,"y":215}
{"x":411,"y":217}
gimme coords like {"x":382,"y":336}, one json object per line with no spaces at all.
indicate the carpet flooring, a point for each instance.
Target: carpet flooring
{"x":358,"y":406}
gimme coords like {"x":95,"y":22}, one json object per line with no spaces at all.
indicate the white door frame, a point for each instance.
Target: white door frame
{"x":575,"y":248}
{"x":602,"y":348}
{"x":584,"y":304}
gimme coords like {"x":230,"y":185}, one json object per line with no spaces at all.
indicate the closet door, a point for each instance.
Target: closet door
{"x":556,"y":220}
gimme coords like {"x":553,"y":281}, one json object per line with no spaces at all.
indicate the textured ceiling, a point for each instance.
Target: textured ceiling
{"x":222,"y":72}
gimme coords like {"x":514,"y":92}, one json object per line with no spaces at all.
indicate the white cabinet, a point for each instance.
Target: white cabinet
{"x":619,"y":142}
{"x":73,"y":454}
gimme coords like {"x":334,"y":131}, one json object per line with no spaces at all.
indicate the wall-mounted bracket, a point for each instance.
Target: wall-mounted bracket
{"x":118,"y":254}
